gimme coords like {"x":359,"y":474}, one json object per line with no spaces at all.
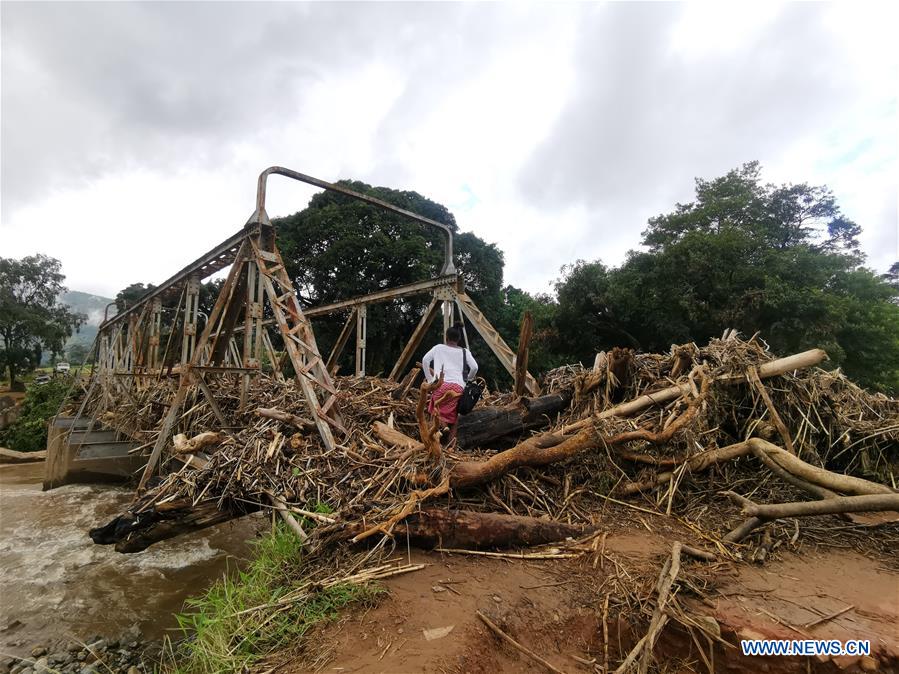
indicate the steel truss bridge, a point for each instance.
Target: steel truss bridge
{"x":129,"y":353}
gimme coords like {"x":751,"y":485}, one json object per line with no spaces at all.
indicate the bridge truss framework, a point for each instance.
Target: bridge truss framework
{"x":130,"y":353}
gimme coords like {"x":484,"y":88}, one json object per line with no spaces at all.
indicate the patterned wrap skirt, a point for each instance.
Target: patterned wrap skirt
{"x":445,"y":402}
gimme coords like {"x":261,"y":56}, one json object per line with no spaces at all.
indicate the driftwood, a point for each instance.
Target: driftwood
{"x":474,"y":530}
{"x":752,"y":376}
{"x":548,"y":448}
{"x":394,"y":438}
{"x":286,"y":418}
{"x":184,"y":445}
{"x":12,"y":456}
{"x":846,"y":484}
{"x":521,"y":359}
{"x":808,"y":487}
{"x":435,"y":527}
{"x":136,"y":532}
{"x":773,"y":368}
{"x":532,"y":452}
{"x":695,"y":464}
{"x":831,"y":506}
{"x":483,"y":426}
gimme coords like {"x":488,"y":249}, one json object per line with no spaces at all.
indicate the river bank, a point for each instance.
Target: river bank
{"x":60,"y":590}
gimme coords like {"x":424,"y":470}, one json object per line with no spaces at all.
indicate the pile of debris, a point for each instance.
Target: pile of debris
{"x":726,"y":428}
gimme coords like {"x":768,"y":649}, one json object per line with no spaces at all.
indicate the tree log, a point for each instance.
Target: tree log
{"x":789,"y":478}
{"x":135,"y":532}
{"x":521,"y":359}
{"x":831,"y":506}
{"x":433,"y":527}
{"x":393,"y":437}
{"x":846,"y":484}
{"x":532,"y":452}
{"x":485,"y":425}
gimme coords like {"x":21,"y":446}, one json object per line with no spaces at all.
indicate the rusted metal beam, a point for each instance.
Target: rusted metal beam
{"x":361,"y":332}
{"x":260,"y":217}
{"x":417,"y":288}
{"x":342,"y":339}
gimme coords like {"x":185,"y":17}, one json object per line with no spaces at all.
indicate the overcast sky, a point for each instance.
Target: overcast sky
{"x":132,"y":134}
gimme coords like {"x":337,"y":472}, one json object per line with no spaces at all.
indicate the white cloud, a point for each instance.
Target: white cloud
{"x":132,"y":134}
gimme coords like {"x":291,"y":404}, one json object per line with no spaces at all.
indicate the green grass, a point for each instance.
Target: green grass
{"x":234,"y":623}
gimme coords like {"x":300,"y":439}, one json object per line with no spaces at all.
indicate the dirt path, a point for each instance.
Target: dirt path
{"x":429,"y":622}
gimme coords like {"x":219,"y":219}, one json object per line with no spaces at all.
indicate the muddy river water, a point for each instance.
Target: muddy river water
{"x":56,"y":584}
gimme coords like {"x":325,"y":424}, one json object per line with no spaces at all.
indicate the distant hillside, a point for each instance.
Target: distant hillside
{"x":91,"y":306}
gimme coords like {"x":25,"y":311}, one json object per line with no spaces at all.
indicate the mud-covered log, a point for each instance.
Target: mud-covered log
{"x":432,"y":527}
{"x":485,"y":425}
{"x":135,"y":532}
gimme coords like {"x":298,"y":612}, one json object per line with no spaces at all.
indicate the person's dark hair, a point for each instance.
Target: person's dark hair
{"x":454,"y":334}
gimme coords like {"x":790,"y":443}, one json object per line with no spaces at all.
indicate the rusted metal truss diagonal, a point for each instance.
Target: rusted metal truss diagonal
{"x":165,"y":343}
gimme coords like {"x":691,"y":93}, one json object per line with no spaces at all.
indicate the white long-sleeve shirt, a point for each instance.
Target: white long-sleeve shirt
{"x":449,"y":360}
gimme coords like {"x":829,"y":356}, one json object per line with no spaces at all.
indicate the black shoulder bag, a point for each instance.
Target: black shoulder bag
{"x":473,"y":389}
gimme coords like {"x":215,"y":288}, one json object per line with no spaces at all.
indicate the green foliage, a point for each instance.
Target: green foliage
{"x":78,"y":354}
{"x":780,"y":260}
{"x":31,"y":319}
{"x":28,"y":433}
{"x":129,"y":296}
{"x":236,"y":621}
{"x":544,"y":341}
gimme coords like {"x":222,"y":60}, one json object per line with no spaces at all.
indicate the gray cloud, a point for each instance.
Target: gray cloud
{"x":90,"y":88}
{"x":646,"y":119}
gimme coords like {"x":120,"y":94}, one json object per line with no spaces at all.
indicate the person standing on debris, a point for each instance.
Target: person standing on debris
{"x":451,"y":360}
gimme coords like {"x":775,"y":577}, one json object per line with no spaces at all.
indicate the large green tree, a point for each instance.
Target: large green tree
{"x":778,"y":259}
{"x":32,"y":320}
{"x":339,"y":247}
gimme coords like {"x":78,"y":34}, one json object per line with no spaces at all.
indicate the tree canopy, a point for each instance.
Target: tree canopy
{"x":31,"y":318}
{"x":781,"y":260}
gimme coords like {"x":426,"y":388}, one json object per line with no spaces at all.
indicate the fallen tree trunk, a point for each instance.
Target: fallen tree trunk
{"x":434,"y":527}
{"x":831,"y":506}
{"x":135,"y":532}
{"x":846,"y":484}
{"x":12,"y":456}
{"x":485,"y":425}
